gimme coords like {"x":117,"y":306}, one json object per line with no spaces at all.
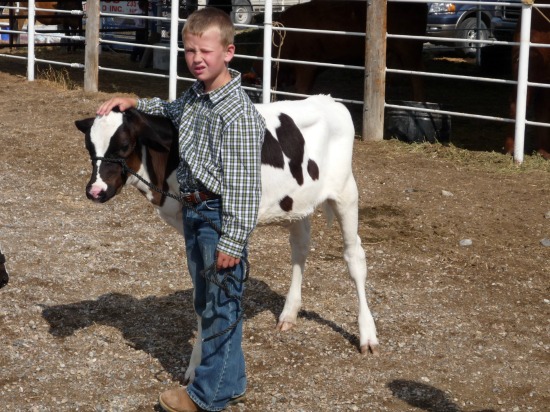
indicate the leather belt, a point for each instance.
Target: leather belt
{"x":198,"y":197}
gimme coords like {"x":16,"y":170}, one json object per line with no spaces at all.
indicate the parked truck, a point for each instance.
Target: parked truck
{"x":243,"y":11}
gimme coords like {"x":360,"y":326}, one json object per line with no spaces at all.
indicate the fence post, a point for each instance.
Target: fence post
{"x":523,"y":70}
{"x":174,"y":35}
{"x":91,"y":53}
{"x":375,"y":70}
{"x":31,"y":12}
{"x":268,"y":32}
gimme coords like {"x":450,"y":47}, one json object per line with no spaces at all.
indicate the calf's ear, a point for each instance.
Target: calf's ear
{"x":156,"y":141}
{"x":84,"y":125}
{"x":149,"y":131}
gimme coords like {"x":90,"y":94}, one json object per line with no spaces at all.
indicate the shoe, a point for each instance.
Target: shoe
{"x":236,"y":400}
{"x":178,"y":400}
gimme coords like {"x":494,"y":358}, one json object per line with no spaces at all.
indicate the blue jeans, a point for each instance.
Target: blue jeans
{"x":221,"y":374}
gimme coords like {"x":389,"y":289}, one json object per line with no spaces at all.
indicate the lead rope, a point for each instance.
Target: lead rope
{"x":210,"y":272}
{"x":282,"y":35}
{"x":541,"y":13}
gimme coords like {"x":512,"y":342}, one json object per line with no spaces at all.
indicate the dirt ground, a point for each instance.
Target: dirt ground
{"x":97,"y":315}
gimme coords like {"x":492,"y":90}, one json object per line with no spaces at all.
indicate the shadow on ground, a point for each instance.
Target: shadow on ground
{"x":163,"y":326}
{"x":425,"y":397}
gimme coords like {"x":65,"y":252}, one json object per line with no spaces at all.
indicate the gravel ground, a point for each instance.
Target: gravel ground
{"x":97,"y":315}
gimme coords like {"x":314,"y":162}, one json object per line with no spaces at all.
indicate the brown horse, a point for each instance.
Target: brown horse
{"x":72,"y":24}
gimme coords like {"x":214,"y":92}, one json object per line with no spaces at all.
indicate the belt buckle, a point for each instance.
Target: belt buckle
{"x":197,"y":196}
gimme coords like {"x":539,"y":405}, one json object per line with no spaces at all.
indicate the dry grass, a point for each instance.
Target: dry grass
{"x":60,"y":77}
{"x":482,"y":160}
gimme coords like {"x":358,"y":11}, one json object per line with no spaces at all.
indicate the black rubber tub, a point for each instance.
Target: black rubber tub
{"x":417,"y":126}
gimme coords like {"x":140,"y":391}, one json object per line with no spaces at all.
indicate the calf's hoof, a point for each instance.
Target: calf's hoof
{"x":285,"y":325}
{"x":372,"y":348}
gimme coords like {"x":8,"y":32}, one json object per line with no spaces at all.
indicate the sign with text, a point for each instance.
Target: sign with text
{"x":123,"y":7}
{"x":123,"y":28}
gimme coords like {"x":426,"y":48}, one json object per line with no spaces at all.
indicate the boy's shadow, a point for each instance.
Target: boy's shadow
{"x":162,"y":326}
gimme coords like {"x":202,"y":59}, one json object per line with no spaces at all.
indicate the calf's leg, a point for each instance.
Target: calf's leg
{"x":345,"y":208}
{"x":300,"y":233}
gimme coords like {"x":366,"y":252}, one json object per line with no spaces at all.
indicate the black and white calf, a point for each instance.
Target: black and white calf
{"x":306,"y":163}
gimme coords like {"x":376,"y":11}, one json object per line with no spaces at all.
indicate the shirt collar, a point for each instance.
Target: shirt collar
{"x":220,"y":93}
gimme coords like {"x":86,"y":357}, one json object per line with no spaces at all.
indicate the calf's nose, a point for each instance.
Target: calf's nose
{"x":94,"y":193}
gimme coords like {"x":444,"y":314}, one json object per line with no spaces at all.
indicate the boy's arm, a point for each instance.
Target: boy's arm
{"x":154,"y":106}
{"x":157,"y":107}
{"x":241,"y":182}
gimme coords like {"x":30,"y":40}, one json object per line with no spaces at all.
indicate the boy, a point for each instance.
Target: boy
{"x":220,"y":138}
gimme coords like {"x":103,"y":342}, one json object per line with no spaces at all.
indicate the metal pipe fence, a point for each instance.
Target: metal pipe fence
{"x":268,"y":27}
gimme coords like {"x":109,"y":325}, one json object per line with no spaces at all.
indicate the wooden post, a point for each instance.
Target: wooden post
{"x":375,"y":70}
{"x":13,"y":24}
{"x":91,"y":53}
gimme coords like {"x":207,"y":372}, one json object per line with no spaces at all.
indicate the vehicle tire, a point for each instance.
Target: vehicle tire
{"x":468,"y":30}
{"x":241,"y":12}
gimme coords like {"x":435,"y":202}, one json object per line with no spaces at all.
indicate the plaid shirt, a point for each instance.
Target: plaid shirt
{"x":220,"y":139}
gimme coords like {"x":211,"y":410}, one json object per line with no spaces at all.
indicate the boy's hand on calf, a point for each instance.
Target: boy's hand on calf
{"x":123,"y":103}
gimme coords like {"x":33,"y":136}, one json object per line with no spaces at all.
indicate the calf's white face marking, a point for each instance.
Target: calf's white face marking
{"x":101,"y":132}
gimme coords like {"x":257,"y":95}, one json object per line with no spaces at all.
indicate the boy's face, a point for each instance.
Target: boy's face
{"x":207,"y":58}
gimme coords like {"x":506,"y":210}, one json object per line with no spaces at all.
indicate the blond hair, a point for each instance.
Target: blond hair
{"x":204,"y":19}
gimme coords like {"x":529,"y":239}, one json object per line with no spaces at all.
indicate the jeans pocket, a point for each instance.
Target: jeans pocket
{"x":212,"y":204}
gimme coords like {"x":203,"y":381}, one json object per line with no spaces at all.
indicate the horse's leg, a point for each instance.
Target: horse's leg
{"x":346,"y":210}
{"x":75,"y":26}
{"x":16,"y":24}
{"x":299,"y":243}
{"x":68,"y":32}
{"x":79,"y":31}
{"x":542,"y":114}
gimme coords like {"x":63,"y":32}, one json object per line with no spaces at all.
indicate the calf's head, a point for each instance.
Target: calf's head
{"x":110,"y":140}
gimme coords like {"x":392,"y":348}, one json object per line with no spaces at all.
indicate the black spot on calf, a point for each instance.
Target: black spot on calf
{"x":272,"y":154}
{"x":286,"y":204}
{"x":292,"y":143}
{"x":313,"y":169}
